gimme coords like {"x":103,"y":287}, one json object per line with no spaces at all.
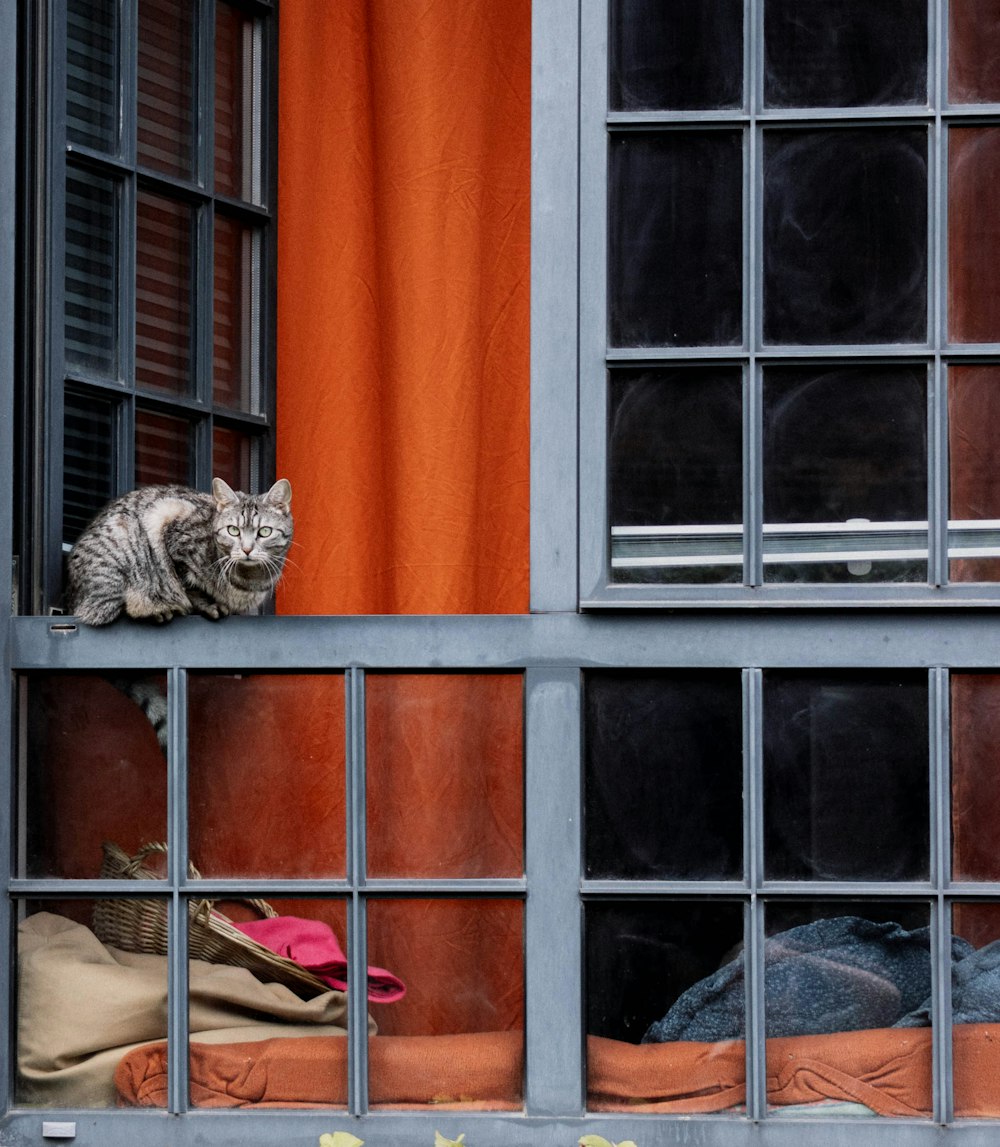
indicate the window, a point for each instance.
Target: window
{"x":763,"y":840}
{"x":156,"y":358}
{"x":784,"y":384}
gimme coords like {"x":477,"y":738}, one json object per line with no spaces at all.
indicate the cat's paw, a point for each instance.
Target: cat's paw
{"x":156,"y":610}
{"x":213,"y":610}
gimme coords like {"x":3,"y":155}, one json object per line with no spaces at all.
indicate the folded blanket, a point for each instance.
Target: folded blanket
{"x":888,"y":1071}
{"x":82,"y":1005}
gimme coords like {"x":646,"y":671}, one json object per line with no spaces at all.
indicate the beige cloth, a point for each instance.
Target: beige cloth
{"x":82,"y":1006}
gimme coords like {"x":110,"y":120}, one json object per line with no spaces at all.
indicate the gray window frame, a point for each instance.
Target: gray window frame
{"x":41,"y":547}
{"x":553,"y":647}
{"x":596,"y":588}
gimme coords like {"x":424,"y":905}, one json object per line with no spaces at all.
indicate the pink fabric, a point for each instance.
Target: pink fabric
{"x":313,"y":945}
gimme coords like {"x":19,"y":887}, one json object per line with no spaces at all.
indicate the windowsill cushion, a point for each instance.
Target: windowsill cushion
{"x":887,"y":1070}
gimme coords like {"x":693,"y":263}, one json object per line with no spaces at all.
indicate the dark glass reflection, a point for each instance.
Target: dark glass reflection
{"x":164,"y":334}
{"x":162,"y":449}
{"x":91,"y":282}
{"x":165,"y":86}
{"x":88,"y":481}
{"x":845,"y":776}
{"x":675,"y":459}
{"x":232,"y":457}
{"x":675,"y":238}
{"x":840,"y":444}
{"x":845,"y":53}
{"x":92,"y":73}
{"x":845,"y":236}
{"x":640,"y":958}
{"x":677,"y":56}
{"x":233,"y":106}
{"x":664,"y":775}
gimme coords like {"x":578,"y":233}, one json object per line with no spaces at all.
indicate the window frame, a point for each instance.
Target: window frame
{"x":553,"y":647}
{"x":41,"y":540}
{"x":597,"y":357}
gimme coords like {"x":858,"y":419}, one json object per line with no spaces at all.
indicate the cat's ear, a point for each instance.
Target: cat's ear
{"x":280,"y":494}
{"x":223,"y":494}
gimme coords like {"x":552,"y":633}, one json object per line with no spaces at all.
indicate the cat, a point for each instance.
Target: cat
{"x":166,"y":551}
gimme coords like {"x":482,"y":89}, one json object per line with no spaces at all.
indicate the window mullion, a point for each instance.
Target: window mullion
{"x":178,"y":1096}
{"x":554,"y":1084}
{"x":753,"y":837}
{"x":357,"y":918}
{"x":940,"y":839}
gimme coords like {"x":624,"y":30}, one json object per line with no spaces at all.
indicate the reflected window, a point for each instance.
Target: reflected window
{"x":845,"y":236}
{"x":846,"y":776}
{"x":675,"y":239}
{"x":845,"y":53}
{"x":663,"y":775}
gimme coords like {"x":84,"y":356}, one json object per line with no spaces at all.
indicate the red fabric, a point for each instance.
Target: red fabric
{"x":888,"y":1070}
{"x":314,"y":945}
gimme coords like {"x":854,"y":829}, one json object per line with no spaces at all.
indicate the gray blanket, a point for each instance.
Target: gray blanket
{"x":842,"y":974}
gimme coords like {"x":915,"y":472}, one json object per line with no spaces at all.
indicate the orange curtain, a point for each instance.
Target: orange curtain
{"x":403,"y":211}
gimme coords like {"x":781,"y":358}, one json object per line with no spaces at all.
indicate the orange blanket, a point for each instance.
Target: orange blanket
{"x":888,"y":1070}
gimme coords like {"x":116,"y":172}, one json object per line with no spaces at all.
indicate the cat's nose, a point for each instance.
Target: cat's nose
{"x":248,"y":550}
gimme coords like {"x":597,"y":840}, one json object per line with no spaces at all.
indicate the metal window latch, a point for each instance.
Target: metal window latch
{"x":58,"y":1130}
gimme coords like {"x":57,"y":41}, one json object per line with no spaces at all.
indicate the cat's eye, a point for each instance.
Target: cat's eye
{"x":234,"y":530}
{"x":264,"y":532}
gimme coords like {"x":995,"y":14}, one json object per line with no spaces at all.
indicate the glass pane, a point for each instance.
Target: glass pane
{"x":445,"y":760}
{"x":845,"y":236}
{"x":87,"y":475}
{"x":973,"y":51}
{"x":92,"y":73}
{"x":677,"y":56}
{"x":845,"y":776}
{"x":845,"y":53}
{"x":166,"y":86}
{"x":267,"y":1009}
{"x":975,"y":779}
{"x":648,"y":968}
{"x":975,"y":1010}
{"x":845,"y":474}
{"x":92,"y":769}
{"x":235,"y":381}
{"x":234,"y":111}
{"x":162,"y":450}
{"x":91,"y":330}
{"x":232,"y":458}
{"x":273,"y":747}
{"x":84,"y":1001}
{"x":973,"y":235}
{"x":847,"y":995}
{"x":675,"y":475}
{"x":675,"y":238}
{"x":664,"y":775}
{"x":974,"y":472}
{"x":163,"y":294}
{"x":456,"y":1039}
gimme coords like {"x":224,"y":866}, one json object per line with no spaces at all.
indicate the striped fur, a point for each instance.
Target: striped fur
{"x":166,"y":551}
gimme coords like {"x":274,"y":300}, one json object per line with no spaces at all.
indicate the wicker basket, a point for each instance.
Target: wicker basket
{"x":137,"y":925}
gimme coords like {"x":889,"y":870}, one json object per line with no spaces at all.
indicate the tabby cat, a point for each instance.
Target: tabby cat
{"x":164,"y":551}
